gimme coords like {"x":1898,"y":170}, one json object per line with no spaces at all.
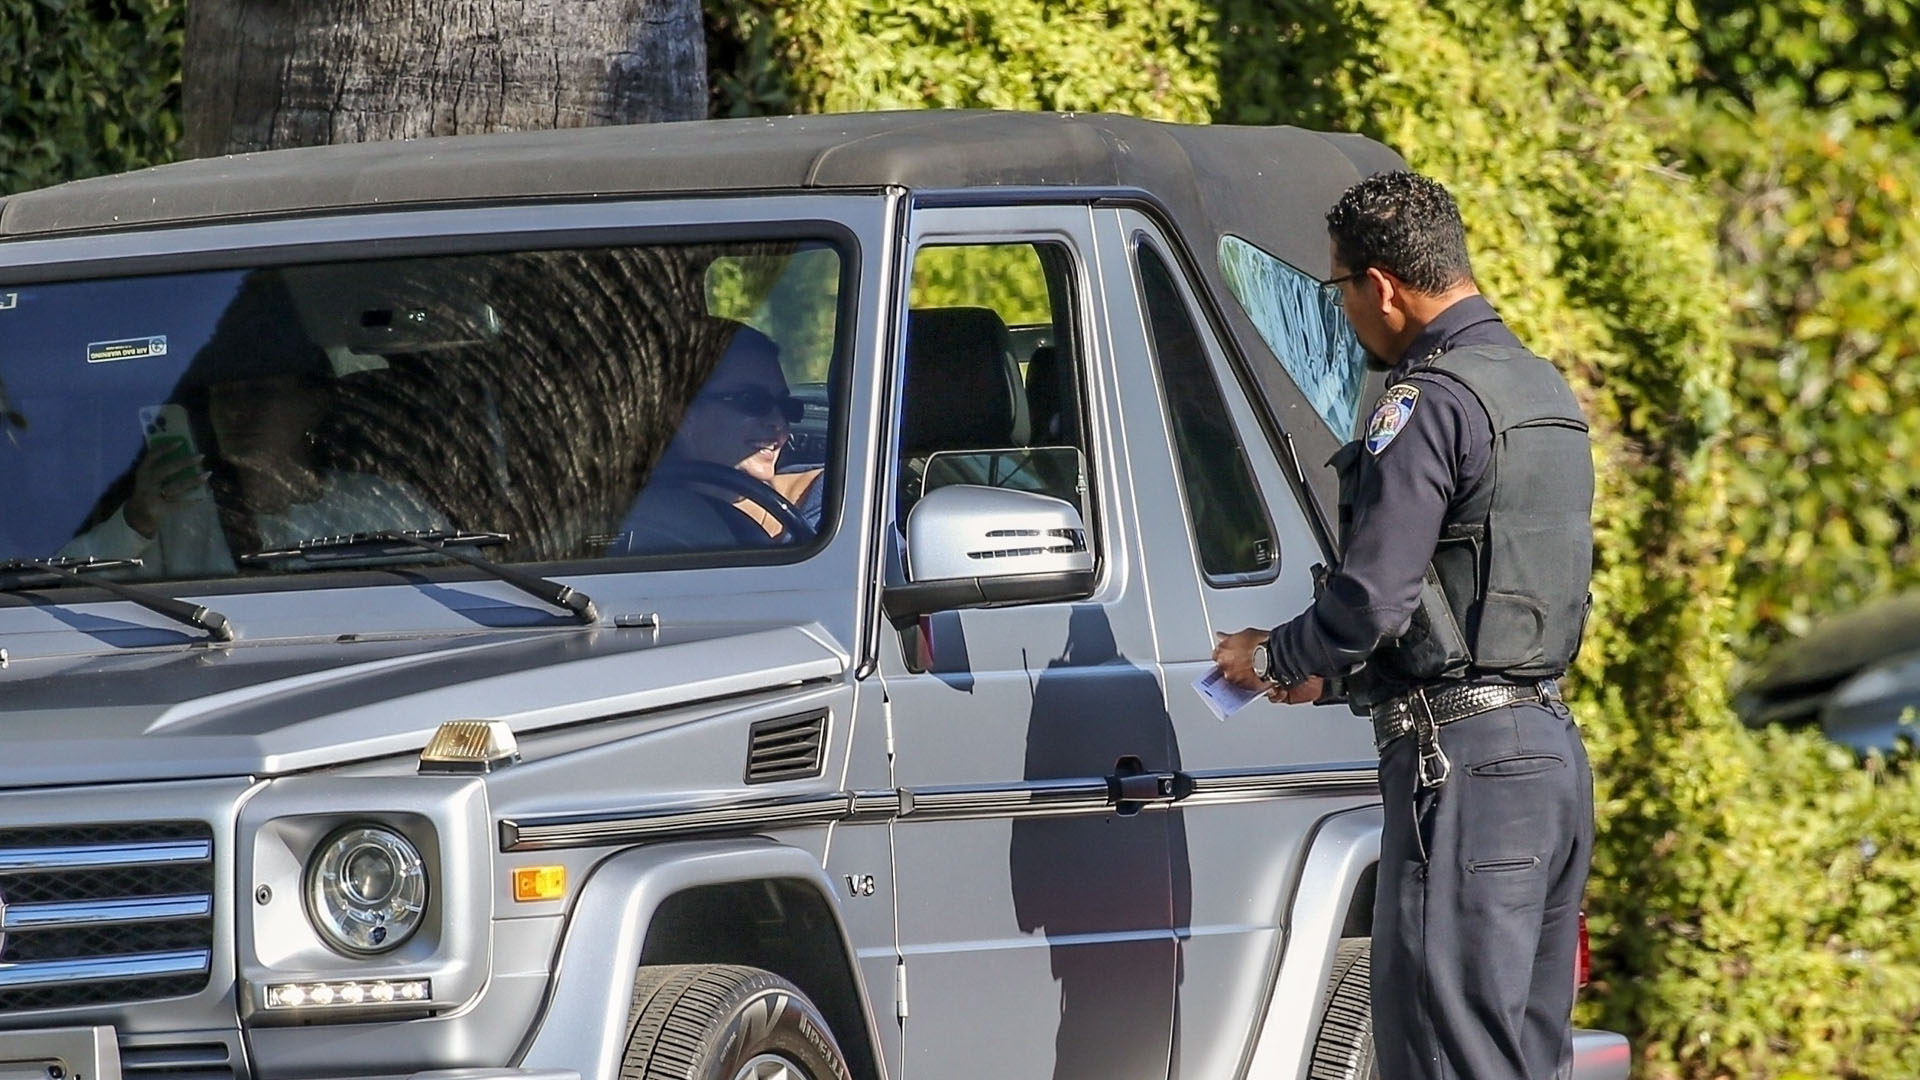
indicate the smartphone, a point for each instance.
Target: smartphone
{"x":167,"y":430}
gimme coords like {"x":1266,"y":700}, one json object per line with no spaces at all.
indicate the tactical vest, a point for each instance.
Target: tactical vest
{"x":1506,"y":593}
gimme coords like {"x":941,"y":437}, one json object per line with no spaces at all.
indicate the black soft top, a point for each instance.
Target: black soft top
{"x":1269,"y":185}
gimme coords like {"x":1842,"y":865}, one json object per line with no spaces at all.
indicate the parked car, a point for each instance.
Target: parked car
{"x":715,"y":599}
{"x":1855,"y":676}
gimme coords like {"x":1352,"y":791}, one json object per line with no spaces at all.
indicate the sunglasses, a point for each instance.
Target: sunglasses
{"x":755,"y":402}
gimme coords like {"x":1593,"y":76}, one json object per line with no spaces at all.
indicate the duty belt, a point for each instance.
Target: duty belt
{"x":1422,"y":712}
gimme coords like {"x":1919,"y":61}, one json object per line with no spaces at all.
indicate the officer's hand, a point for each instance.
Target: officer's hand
{"x":1301,"y":693}
{"x":1234,"y":654}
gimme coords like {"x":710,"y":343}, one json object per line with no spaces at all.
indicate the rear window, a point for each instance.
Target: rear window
{"x":196,"y":421}
{"x":1303,"y":324}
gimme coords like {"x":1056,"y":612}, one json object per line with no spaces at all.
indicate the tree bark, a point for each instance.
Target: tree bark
{"x":265,"y":74}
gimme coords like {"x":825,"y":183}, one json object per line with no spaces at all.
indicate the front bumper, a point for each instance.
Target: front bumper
{"x":93,"y":1053}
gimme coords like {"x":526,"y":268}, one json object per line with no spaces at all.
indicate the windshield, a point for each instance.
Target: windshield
{"x":588,"y":403}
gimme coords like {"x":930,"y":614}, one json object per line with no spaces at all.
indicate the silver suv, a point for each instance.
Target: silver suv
{"x":704,"y":600}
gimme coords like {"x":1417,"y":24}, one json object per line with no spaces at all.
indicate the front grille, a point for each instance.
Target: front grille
{"x":93,"y":914}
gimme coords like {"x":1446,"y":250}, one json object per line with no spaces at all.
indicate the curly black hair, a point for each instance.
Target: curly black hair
{"x":1405,"y":224}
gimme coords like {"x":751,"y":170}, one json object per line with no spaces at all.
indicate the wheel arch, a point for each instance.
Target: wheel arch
{"x":784,"y":925}
{"x":1333,"y":899}
{"x":651,"y":905}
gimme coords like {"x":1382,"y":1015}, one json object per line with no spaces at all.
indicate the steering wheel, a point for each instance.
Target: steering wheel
{"x":733,"y":481}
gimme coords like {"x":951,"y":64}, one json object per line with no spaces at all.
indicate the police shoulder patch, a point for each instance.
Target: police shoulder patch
{"x":1391,"y":415}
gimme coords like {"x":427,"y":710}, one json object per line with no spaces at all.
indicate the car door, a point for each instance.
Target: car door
{"x":1231,"y":549}
{"x":1035,"y":918}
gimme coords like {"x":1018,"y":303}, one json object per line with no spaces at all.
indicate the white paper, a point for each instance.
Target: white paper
{"x":1221,"y":696}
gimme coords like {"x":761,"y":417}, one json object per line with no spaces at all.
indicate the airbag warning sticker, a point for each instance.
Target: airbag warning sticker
{"x":106,"y":352}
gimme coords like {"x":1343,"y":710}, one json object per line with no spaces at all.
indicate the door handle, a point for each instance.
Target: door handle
{"x":1131,"y":786}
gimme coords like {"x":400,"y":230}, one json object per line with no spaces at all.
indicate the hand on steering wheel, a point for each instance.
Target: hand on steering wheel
{"x":733,"y":481}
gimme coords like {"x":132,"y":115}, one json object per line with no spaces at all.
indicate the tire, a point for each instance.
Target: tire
{"x":725,"y":1022}
{"x":1343,"y":1047}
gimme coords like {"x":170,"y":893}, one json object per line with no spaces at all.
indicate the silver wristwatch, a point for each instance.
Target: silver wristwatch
{"x":1263,"y":663}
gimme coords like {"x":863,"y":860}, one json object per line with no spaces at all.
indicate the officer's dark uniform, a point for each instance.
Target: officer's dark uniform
{"x":1463,"y":588}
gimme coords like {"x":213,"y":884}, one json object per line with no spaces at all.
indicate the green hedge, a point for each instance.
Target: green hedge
{"x":1149,"y":59}
{"x":87,"y":88}
{"x":1822,"y":246}
{"x":1862,"y":57}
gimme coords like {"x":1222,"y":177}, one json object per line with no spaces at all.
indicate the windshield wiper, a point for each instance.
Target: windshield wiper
{"x":17,"y":575}
{"x":360,"y":548}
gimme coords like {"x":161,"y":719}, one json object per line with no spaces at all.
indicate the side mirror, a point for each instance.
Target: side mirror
{"x":970,"y":546}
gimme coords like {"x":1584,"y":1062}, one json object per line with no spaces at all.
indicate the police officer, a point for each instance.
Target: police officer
{"x":1459,"y":597}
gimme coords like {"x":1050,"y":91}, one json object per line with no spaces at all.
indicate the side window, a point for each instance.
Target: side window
{"x":1230,"y":525}
{"x":1303,"y":324}
{"x":992,"y":392}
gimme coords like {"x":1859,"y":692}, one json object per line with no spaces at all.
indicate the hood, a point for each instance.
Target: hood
{"x":1795,"y":681}
{"x":275,"y":708}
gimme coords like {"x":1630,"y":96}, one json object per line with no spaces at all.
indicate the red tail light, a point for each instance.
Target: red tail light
{"x":1582,"y":957}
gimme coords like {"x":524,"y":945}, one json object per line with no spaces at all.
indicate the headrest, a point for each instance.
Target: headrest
{"x":1044,"y":394}
{"x":963,"y":387}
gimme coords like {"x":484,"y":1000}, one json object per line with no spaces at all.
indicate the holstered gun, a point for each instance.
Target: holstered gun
{"x":1432,"y":648}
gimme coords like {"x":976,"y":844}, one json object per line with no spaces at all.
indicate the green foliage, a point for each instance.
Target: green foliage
{"x":1148,"y":59}
{"x":1863,"y":56}
{"x":1005,"y":277}
{"x":87,"y":87}
{"x":1784,"y":945}
{"x":1820,"y":241}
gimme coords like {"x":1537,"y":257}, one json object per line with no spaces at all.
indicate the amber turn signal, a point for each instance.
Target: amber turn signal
{"x":533,"y":883}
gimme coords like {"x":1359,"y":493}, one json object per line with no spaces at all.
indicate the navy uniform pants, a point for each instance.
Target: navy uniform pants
{"x":1475,"y":923}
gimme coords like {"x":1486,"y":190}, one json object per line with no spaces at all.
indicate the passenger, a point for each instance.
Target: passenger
{"x":741,"y":419}
{"x":268,"y":489}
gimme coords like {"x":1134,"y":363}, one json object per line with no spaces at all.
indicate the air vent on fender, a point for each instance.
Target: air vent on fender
{"x":787,"y":748}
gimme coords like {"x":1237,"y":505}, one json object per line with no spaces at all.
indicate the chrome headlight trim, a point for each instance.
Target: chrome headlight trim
{"x":366,"y":889}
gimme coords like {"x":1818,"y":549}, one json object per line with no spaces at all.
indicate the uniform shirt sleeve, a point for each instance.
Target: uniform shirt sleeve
{"x":1397,"y":510}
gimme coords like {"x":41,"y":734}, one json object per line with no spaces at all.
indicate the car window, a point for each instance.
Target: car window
{"x":582,"y":403}
{"x":1304,"y":326}
{"x":993,"y":373}
{"x":1228,"y":517}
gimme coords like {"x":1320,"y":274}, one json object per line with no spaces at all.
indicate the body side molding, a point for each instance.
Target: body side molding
{"x":1050,"y":798}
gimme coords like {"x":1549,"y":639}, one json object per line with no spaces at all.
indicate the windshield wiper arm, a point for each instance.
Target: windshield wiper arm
{"x":19,"y":574}
{"x":359,"y":547}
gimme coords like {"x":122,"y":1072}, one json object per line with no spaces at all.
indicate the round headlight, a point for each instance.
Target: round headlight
{"x":366,"y":890}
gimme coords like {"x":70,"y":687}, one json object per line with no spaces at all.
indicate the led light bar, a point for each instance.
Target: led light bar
{"x":348,"y":993}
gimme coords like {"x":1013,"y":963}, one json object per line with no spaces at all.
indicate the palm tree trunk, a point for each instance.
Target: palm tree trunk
{"x":265,"y":74}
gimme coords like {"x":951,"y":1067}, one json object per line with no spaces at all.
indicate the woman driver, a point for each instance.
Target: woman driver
{"x":741,"y":418}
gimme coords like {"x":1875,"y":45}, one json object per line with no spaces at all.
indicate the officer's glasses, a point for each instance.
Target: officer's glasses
{"x":1330,"y":288}
{"x":755,"y":402}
